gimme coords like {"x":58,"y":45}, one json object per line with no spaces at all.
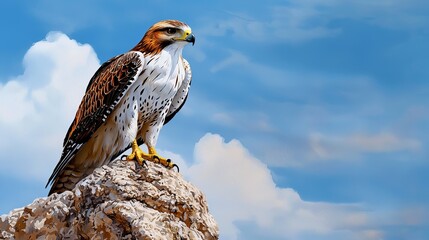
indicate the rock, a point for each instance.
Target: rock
{"x":122,"y":200}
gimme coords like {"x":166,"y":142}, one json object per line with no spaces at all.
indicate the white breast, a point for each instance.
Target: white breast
{"x":149,"y":98}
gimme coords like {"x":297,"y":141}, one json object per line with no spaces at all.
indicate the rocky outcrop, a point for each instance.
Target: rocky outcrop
{"x":121,"y":200}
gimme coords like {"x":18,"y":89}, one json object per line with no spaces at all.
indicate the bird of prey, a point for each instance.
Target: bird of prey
{"x":127,"y":101}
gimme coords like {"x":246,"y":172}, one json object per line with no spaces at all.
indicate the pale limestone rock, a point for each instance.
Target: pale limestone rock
{"x":121,"y":200}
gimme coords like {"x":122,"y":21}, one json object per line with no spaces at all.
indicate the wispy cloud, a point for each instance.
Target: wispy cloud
{"x":285,"y":24}
{"x":385,"y":13}
{"x":300,"y":21}
{"x":330,"y":147}
{"x":355,"y":115}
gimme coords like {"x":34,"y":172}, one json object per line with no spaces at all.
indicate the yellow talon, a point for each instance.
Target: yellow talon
{"x":138,"y":155}
{"x":157,"y":159}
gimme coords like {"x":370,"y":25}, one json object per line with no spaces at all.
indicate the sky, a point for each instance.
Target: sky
{"x":306,"y":119}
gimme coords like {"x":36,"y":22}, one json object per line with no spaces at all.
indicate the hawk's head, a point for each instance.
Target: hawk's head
{"x":163,"y":34}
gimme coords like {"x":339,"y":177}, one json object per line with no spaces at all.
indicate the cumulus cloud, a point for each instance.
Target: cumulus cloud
{"x":37,"y":106}
{"x":240,"y":188}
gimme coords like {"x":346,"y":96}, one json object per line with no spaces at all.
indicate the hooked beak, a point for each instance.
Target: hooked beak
{"x":187,"y":37}
{"x":190,"y":38}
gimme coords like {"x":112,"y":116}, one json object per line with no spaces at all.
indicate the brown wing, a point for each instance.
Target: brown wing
{"x":104,"y":91}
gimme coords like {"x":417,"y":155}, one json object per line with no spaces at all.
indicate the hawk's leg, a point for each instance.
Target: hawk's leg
{"x":138,"y":155}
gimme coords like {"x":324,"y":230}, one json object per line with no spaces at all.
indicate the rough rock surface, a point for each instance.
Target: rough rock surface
{"x":121,"y":200}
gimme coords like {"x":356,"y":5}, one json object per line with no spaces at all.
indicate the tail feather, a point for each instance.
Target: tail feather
{"x":67,"y":179}
{"x":69,"y":152}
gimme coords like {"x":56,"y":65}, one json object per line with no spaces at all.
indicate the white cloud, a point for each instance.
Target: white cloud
{"x":37,"y":106}
{"x":240,"y":188}
{"x":14,"y":104}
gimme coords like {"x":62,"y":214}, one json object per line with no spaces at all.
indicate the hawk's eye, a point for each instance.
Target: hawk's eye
{"x":171,"y":30}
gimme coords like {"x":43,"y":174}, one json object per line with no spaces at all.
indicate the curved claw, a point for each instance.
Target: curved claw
{"x":123,"y":157}
{"x":175,"y":166}
{"x":168,"y":165}
{"x":145,"y":164}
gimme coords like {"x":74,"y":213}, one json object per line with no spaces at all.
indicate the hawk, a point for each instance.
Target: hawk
{"x":127,"y":102}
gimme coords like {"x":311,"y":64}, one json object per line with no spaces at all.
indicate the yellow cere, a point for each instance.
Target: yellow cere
{"x":186,"y":33}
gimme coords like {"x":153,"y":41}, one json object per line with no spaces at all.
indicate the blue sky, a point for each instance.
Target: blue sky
{"x":307,"y":119}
